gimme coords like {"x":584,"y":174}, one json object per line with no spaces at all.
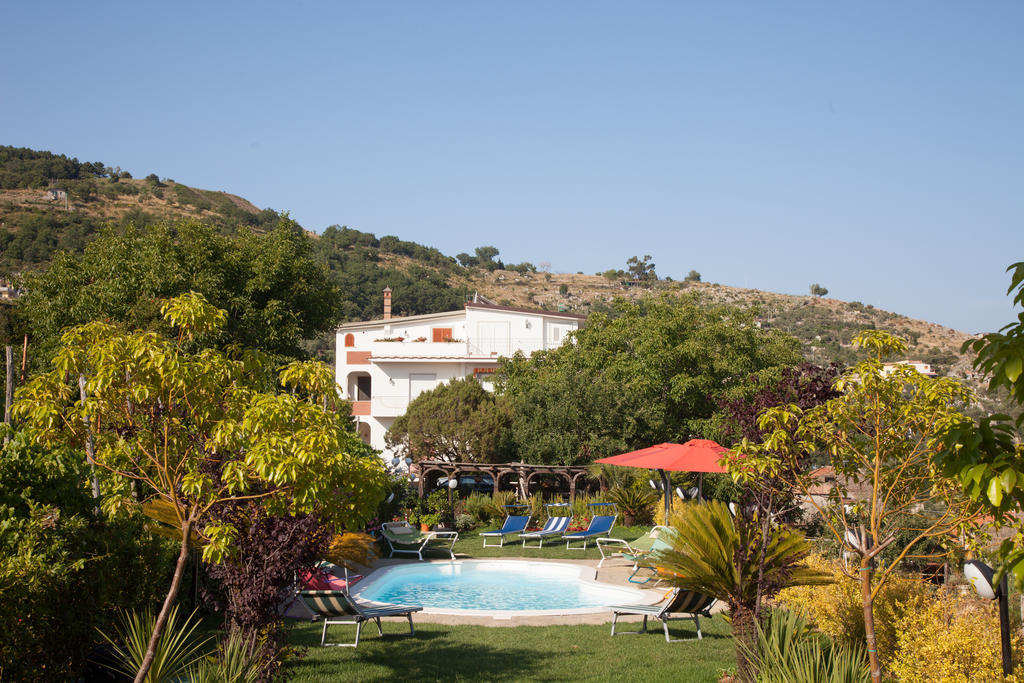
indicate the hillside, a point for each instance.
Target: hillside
{"x":34,"y":225}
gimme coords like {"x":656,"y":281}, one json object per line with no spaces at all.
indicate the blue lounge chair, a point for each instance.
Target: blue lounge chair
{"x":600,"y":525}
{"x":514,"y":524}
{"x":680,"y":604}
{"x":557,"y":524}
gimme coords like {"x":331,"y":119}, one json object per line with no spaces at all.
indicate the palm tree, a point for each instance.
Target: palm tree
{"x":715,"y":554}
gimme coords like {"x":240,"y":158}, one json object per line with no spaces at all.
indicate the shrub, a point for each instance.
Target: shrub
{"x":948,"y":638}
{"x":636,"y":505}
{"x":464,"y":522}
{"x":789,"y":651}
{"x":65,"y":571}
{"x":836,"y":609}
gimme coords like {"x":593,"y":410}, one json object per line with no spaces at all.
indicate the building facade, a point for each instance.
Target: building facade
{"x":382,"y":365}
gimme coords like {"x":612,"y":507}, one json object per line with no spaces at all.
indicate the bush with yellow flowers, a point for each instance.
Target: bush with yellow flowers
{"x":949,"y":638}
{"x":836,"y":609}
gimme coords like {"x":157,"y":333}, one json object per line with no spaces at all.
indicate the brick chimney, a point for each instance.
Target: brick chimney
{"x":387,"y":303}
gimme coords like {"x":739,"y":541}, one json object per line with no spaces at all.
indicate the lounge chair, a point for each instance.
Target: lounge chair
{"x":556,"y":525}
{"x":637,"y":552}
{"x":680,"y":604}
{"x":600,"y":525}
{"x":338,"y":607}
{"x":514,"y":524}
{"x":402,"y":538}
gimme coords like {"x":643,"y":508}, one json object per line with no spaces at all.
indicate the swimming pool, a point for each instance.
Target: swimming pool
{"x":497,"y":588}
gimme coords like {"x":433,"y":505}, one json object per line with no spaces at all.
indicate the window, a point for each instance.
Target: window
{"x":442,"y":333}
{"x":350,"y":339}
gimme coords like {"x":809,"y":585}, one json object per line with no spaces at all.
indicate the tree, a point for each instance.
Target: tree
{"x":692,"y":276}
{"x":987,"y":456}
{"x":652,"y":371}
{"x":173,"y":420}
{"x":274,"y":292}
{"x":883,"y":435}
{"x":713,"y":555}
{"x":818,"y":290}
{"x":641,"y":270}
{"x":466,"y":260}
{"x":459,"y":421}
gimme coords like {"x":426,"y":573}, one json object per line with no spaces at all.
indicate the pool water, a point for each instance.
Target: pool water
{"x":489,"y":586}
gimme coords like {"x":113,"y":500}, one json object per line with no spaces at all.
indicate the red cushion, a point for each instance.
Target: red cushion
{"x":320,"y":580}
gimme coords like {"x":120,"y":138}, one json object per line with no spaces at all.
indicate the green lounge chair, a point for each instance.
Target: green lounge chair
{"x":402,"y":538}
{"x":679,"y":605}
{"x":637,"y":552}
{"x":338,"y":607}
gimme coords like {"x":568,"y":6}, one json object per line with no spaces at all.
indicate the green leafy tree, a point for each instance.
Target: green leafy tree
{"x":653,"y":371}
{"x":713,"y":555}
{"x":275,"y":293}
{"x":459,"y":421}
{"x":692,"y":276}
{"x":173,"y":421}
{"x":818,"y":290}
{"x":987,"y":456}
{"x":883,"y":435}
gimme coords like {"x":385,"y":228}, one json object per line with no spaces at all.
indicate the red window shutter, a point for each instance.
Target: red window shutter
{"x":442,"y":333}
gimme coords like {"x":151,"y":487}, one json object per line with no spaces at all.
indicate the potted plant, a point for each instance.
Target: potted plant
{"x":429,"y":520}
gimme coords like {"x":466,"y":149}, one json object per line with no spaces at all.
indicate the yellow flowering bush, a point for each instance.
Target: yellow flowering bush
{"x":949,"y":639}
{"x":836,"y":609}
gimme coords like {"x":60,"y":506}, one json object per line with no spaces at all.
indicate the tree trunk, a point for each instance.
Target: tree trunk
{"x":744,"y":633}
{"x":24,"y":359}
{"x":90,"y":448}
{"x":9,"y":386}
{"x":869,"y":618}
{"x":172,"y":594}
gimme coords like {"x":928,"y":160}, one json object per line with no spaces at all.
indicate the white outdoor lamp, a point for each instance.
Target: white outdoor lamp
{"x":981,"y":576}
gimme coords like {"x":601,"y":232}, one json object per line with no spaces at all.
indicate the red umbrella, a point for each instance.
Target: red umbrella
{"x":696,"y":455}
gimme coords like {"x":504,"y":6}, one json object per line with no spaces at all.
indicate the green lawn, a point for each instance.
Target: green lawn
{"x":470,"y":545}
{"x":521,"y":653}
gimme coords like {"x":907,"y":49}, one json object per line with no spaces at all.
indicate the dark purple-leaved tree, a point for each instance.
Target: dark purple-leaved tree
{"x":271,"y":552}
{"x":767,"y":500}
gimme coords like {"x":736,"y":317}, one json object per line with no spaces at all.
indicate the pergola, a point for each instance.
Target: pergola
{"x":519,"y":472}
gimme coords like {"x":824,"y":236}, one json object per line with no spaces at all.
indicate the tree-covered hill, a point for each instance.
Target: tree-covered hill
{"x":35,"y":224}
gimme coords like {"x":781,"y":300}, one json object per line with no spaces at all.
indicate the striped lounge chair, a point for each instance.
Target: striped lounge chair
{"x":338,"y":607}
{"x":679,"y":604}
{"x":555,"y":526}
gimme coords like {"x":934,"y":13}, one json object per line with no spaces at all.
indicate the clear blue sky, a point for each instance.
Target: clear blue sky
{"x":873,"y":147}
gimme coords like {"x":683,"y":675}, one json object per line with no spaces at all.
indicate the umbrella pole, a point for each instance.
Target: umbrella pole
{"x":700,"y":487}
{"x":666,"y":486}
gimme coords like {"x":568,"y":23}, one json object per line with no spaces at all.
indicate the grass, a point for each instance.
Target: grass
{"x":471,"y":545}
{"x":520,"y":653}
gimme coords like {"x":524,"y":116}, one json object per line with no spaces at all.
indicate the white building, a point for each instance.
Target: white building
{"x":384,"y":364}
{"x":919,"y":365}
